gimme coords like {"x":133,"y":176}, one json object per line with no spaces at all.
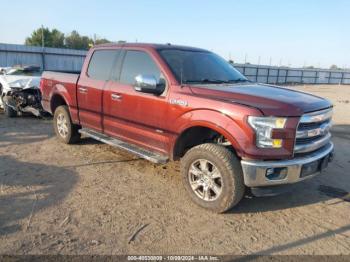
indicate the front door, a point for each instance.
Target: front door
{"x":135,"y":116}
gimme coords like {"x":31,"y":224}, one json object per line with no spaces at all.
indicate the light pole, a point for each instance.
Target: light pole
{"x":42,"y":37}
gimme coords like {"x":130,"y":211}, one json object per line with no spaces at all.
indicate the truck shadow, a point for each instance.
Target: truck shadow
{"x":27,"y":188}
{"x":302,"y":194}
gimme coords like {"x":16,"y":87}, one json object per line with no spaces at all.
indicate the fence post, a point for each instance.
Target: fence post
{"x":278,"y":75}
{"x":342,"y":78}
{"x":268,"y":75}
{"x":316,"y":77}
{"x":329,"y":78}
{"x":302,"y":76}
{"x":43,"y":59}
{"x":286,"y":77}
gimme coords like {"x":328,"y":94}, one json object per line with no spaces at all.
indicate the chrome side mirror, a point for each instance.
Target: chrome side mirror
{"x":149,"y":84}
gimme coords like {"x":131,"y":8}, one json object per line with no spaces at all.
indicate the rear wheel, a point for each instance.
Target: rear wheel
{"x":65,"y":130}
{"x":213,"y":177}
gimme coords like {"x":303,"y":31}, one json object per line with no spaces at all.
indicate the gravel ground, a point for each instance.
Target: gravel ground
{"x":91,"y":199}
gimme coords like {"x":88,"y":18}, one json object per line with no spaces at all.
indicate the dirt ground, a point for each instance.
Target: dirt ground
{"x":91,"y":199}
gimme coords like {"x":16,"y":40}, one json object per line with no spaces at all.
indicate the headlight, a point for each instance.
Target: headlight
{"x":263,"y":127}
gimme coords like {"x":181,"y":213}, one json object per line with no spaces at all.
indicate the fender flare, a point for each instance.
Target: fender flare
{"x":223,"y":125}
{"x":61,"y":91}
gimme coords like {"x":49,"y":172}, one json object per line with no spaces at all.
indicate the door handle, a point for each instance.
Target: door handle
{"x":82,"y":90}
{"x":116,"y":97}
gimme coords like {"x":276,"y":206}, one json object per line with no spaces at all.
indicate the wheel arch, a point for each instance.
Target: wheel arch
{"x":56,"y":101}
{"x":201,"y":132}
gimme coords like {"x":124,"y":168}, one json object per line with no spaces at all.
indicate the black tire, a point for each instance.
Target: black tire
{"x":231,"y":182}
{"x":70,"y":135}
{"x":9,"y":111}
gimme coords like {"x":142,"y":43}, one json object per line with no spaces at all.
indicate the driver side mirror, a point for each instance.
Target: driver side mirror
{"x":148,"y":84}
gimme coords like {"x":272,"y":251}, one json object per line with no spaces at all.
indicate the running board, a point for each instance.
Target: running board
{"x":143,"y":153}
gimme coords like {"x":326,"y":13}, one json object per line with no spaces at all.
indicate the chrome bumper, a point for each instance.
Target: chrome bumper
{"x":255,"y":171}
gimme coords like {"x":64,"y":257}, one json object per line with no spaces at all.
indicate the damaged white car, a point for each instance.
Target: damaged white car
{"x":19,"y":89}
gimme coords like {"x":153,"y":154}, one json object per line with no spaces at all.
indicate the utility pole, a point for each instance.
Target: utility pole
{"x":245,"y":58}
{"x":42,"y":37}
{"x":43,"y":48}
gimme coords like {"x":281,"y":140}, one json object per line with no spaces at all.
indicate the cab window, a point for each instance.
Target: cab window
{"x":138,"y":63}
{"x":101,"y":64}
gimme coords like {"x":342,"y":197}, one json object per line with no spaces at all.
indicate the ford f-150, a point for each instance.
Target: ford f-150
{"x":167,"y":102}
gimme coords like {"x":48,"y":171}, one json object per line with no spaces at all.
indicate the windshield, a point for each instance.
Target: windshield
{"x":197,"y":67}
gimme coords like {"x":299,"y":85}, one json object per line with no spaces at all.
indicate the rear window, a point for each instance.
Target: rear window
{"x":101,"y":64}
{"x":138,"y":63}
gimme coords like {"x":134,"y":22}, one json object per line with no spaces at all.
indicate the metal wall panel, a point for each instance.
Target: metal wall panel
{"x":286,"y":75}
{"x":60,"y":59}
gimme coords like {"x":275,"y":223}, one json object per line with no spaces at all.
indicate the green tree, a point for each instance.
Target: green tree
{"x":334,"y":67}
{"x":100,"y":41}
{"x":51,"y":38}
{"x":75,"y":41}
{"x":54,"y":38}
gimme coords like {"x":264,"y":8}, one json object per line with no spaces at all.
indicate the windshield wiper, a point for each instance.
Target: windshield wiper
{"x":218,"y":81}
{"x":238,"y":80}
{"x":206,"y":80}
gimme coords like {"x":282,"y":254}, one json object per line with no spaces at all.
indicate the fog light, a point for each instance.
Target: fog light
{"x":276,"y":173}
{"x":277,"y":143}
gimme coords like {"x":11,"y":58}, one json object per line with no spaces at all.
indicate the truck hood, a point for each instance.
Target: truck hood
{"x":270,"y":100}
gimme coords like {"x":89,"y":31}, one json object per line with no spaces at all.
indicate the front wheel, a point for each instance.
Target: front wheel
{"x":213,"y":177}
{"x":65,"y":130}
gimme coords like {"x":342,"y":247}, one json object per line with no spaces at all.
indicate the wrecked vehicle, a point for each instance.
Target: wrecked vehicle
{"x":19,"y":89}
{"x":4,"y":70}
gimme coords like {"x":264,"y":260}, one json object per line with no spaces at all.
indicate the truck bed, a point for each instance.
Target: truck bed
{"x":58,"y":83}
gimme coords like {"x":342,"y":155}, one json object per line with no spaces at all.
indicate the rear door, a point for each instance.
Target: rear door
{"x":90,"y":87}
{"x":131,"y":115}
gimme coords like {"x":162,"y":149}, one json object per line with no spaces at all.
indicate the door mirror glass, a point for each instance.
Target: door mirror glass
{"x":149,"y":84}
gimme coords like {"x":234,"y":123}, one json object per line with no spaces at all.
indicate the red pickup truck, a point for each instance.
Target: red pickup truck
{"x":167,"y":102}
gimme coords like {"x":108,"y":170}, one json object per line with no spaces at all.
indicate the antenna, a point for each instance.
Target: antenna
{"x":181,"y":76}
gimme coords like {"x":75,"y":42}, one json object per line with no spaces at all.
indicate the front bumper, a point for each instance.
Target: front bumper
{"x":294,"y":170}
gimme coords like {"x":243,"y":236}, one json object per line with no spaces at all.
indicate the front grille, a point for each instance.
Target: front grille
{"x":305,"y":126}
{"x":306,"y":140}
{"x":313,"y":131}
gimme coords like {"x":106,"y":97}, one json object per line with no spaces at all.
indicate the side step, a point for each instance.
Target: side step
{"x":143,"y":153}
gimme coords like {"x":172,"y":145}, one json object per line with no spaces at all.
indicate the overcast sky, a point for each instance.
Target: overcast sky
{"x":294,"y":32}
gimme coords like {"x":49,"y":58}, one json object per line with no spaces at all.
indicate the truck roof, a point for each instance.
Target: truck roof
{"x":151,"y":45}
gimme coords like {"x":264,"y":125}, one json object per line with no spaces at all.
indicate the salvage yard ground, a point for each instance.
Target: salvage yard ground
{"x":93,"y":199}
